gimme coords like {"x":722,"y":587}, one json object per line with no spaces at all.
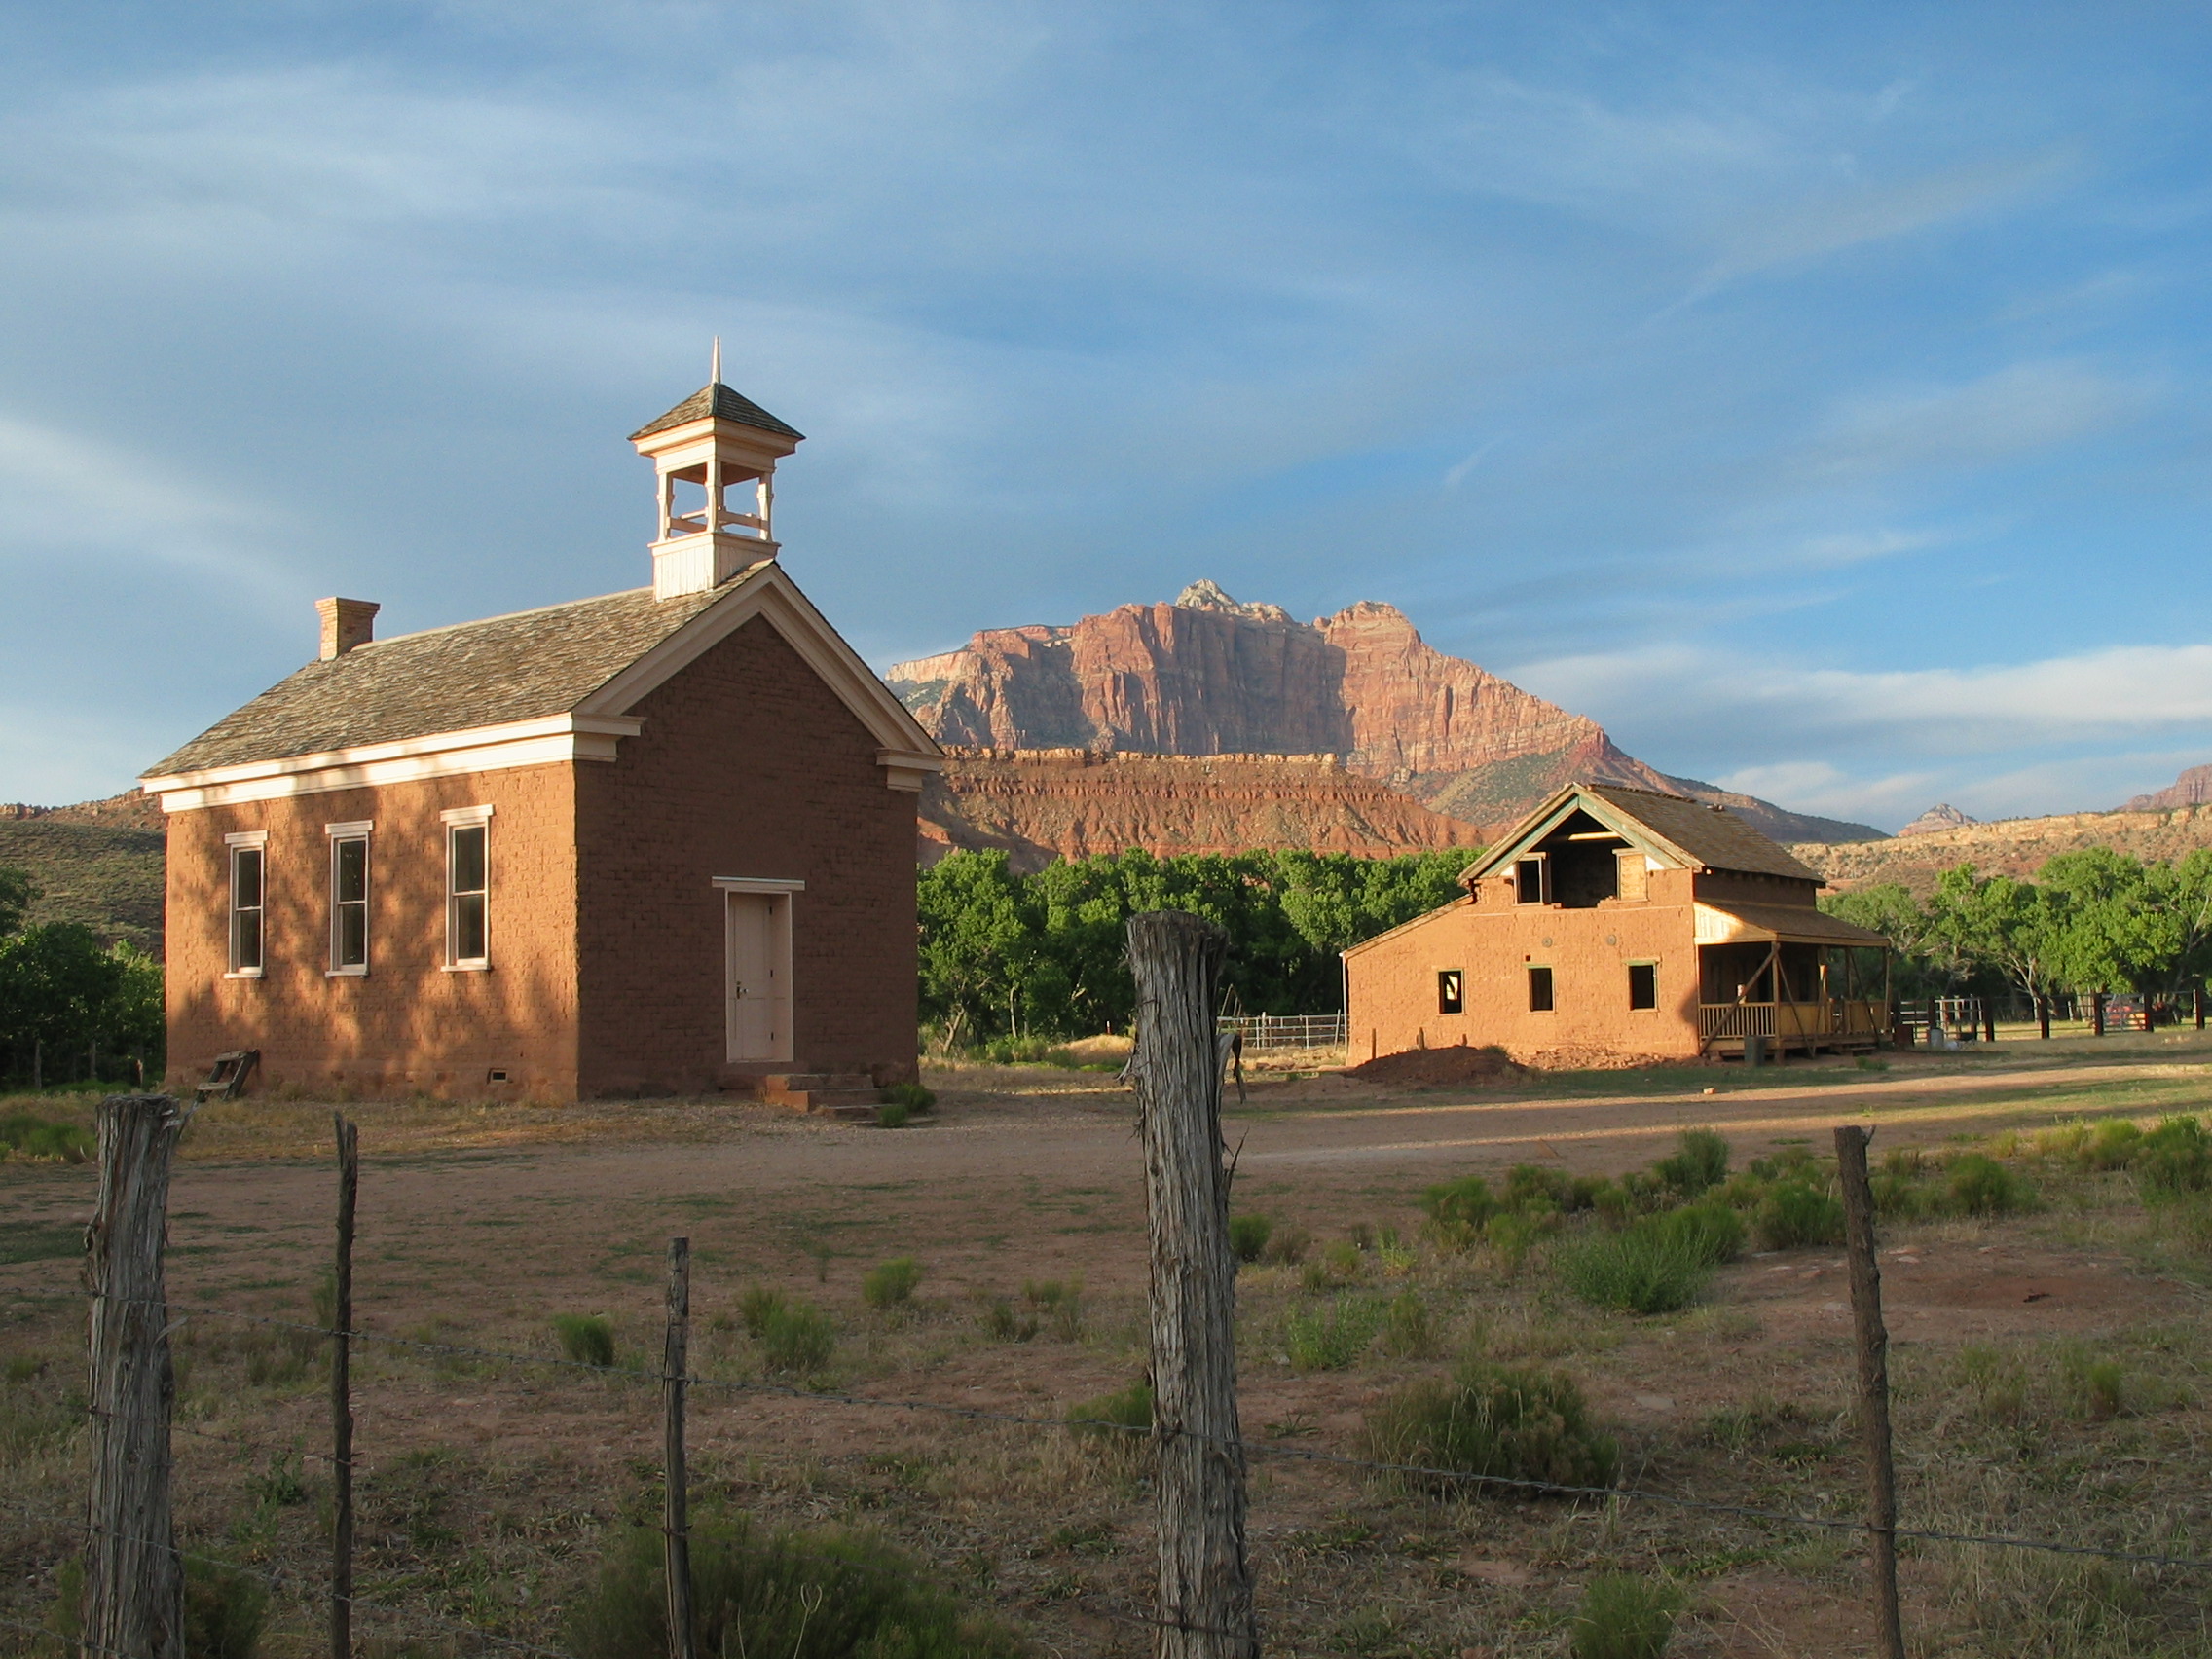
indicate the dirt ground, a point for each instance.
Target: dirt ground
{"x":489,"y":1487}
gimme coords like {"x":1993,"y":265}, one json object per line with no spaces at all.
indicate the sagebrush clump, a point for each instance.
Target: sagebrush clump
{"x":1623,"y":1616}
{"x":891,"y":1284}
{"x":828,"y":1595}
{"x":588,"y":1338}
{"x":1494,"y":1420}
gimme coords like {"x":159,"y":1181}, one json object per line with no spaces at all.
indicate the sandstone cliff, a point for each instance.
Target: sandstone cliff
{"x":2012,"y":846}
{"x":1936,"y":818}
{"x":2194,"y":787}
{"x":1209,"y":676}
{"x":1041,"y":804}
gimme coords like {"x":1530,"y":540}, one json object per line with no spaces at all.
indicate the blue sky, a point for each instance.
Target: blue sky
{"x":1813,"y":394}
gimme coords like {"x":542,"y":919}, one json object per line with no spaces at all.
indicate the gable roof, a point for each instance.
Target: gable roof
{"x":592,"y":658}
{"x":1677,"y":830}
{"x":722,"y":404}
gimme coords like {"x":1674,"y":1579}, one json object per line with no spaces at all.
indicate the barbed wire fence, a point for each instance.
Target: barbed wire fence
{"x":131,"y":1612}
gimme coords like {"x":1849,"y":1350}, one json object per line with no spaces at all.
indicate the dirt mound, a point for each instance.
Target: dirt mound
{"x":1431,"y":1068}
{"x":1582,"y":1057}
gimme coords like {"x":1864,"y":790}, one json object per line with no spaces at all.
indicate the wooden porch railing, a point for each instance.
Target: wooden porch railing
{"x":1789,"y":1021}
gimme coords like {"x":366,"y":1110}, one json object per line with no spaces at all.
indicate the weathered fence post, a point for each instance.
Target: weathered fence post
{"x":1873,"y":1384}
{"x":342,"y":1393}
{"x":2096,"y":1014}
{"x":1988,"y":1021}
{"x":133,"y":1578}
{"x":675,"y":1553}
{"x":2042,"y":1019}
{"x":1205,"y":1582}
{"x":2196,"y":1004}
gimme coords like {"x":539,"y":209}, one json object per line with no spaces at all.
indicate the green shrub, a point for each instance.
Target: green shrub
{"x":832,"y":1595}
{"x":1248,"y":1236}
{"x":1647,"y":1268}
{"x":22,"y":1135}
{"x":1536,"y":1186}
{"x":1795,"y":1214}
{"x":891,"y":1284}
{"x":1492,"y":1420}
{"x":224,"y":1610}
{"x":1004,"y":1325}
{"x":2112,"y":1144}
{"x":1407,"y":1329}
{"x":1059,"y":1301}
{"x":1623,"y":1616}
{"x":1124,"y":1415}
{"x":2174,"y":1157}
{"x":1511,"y":1236}
{"x":2092,"y":1386}
{"x":913,"y":1096}
{"x":1458,"y":1209}
{"x":588,"y":1338}
{"x":1979,"y":1185}
{"x":1331,"y":1339}
{"x":893,"y":1114}
{"x":1712,"y":1232}
{"x":1287,"y":1245}
{"x":756,"y":1306}
{"x":1702,"y":1163}
{"x":797,"y":1338}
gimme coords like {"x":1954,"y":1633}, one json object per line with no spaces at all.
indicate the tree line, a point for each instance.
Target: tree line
{"x":71,"y":1007}
{"x":1008,"y":955}
{"x":2095,"y":920}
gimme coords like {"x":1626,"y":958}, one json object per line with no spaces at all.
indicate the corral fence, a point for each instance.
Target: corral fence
{"x":1205,"y":1606}
{"x":1263,"y":1031}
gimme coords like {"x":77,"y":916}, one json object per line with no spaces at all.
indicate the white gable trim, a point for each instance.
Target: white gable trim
{"x":906,"y":752}
{"x":441,"y":754}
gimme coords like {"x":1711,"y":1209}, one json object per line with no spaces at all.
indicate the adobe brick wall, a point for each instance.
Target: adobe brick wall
{"x":1392,"y":984}
{"x":407,"y":1025}
{"x":748,"y":765}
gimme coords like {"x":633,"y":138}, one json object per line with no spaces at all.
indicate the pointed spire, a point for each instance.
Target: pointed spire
{"x":715,"y":374}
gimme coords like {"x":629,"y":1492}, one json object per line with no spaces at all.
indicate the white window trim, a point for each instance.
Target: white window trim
{"x":359,"y":830}
{"x":233,"y":843}
{"x":466,"y":818}
{"x":758,"y":884}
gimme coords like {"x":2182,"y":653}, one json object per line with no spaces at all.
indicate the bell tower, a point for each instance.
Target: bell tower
{"x":713,"y":440}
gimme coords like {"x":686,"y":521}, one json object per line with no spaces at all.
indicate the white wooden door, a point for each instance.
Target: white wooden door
{"x":760,"y":976}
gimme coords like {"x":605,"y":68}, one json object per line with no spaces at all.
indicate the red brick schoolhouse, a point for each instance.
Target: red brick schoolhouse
{"x":1621,"y":924}
{"x":655,"y":842}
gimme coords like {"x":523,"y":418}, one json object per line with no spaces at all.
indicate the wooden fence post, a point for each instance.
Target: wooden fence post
{"x":2196,"y":1004}
{"x":133,"y":1578}
{"x":675,"y":1524}
{"x":2043,"y":1017}
{"x":2096,"y":1014}
{"x":1206,"y":1580}
{"x":1873,"y":1384}
{"x":342,"y":1393}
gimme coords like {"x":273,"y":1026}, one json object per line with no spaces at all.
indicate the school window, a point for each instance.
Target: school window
{"x":1531,"y":880}
{"x":1451,"y":991}
{"x":1643,"y":984}
{"x":348,"y":898}
{"x":1539,"y":990}
{"x":248,"y":884}
{"x":469,"y":868}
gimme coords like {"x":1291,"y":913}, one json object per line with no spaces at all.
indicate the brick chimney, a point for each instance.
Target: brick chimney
{"x":346,"y":623}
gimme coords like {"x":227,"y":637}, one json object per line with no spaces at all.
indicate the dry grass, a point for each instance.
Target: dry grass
{"x":488,"y":1488}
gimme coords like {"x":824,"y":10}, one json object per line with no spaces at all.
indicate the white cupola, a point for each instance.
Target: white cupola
{"x":713,"y":439}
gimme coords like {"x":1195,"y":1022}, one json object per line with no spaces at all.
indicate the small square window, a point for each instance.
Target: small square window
{"x":1643,"y":984}
{"x":1539,"y":990}
{"x":1451,"y":991}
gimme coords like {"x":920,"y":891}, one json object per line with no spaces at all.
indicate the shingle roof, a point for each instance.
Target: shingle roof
{"x":723,"y":404}
{"x":506,"y":668}
{"x":1713,"y":836}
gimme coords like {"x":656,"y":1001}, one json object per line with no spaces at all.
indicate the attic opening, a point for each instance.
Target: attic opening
{"x":1576,"y":866}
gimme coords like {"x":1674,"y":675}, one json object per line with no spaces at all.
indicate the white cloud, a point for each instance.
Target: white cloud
{"x":1999,"y":416}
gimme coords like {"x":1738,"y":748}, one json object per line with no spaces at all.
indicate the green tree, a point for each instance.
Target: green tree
{"x":2014,"y":930}
{"x":974,"y":944}
{"x":58,"y":990}
{"x":17,"y":890}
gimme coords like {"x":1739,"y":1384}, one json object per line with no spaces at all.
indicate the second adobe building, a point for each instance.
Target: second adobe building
{"x":1621,"y":923}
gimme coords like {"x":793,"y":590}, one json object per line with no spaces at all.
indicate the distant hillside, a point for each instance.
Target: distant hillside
{"x":2012,"y":846}
{"x":1042,"y":805}
{"x":1208,"y":676}
{"x":99,"y":863}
